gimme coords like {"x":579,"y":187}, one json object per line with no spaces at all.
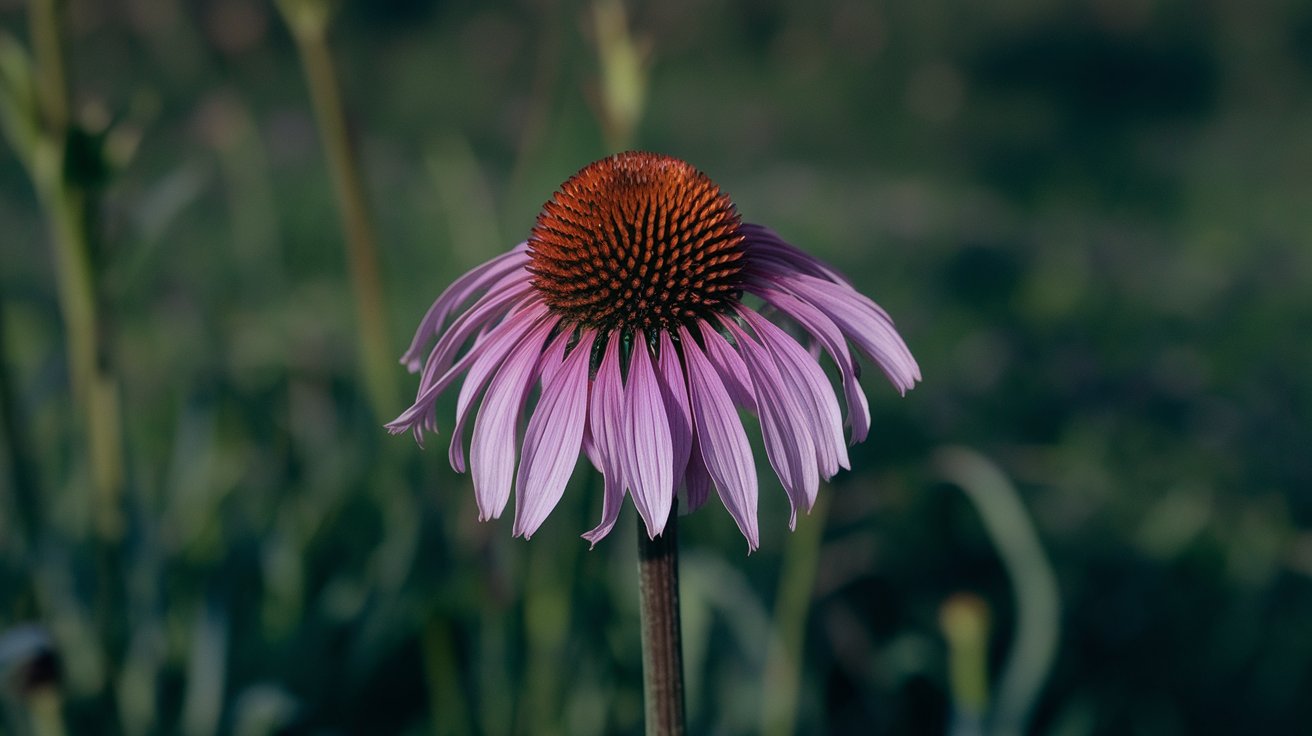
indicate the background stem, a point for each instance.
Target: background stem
{"x":662,"y":650}
{"x":95,"y":388}
{"x":1034,"y":585}
{"x":784,"y":656}
{"x":309,"y":25}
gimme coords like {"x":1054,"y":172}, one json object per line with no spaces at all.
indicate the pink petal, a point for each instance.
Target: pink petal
{"x":808,"y":383}
{"x":553,"y":437}
{"x":605,"y":416}
{"x":647,"y":451}
{"x":675,"y":393}
{"x":729,"y":365}
{"x":762,"y":243}
{"x":827,"y":333}
{"x":863,"y":322}
{"x":722,"y":441}
{"x":456,"y":294}
{"x":492,"y":350}
{"x":488,"y":308}
{"x":492,"y":450}
{"x":696,"y":480}
{"x":420,"y":414}
{"x":788,"y":442}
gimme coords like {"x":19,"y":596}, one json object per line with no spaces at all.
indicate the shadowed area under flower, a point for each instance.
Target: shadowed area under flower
{"x":625,"y":306}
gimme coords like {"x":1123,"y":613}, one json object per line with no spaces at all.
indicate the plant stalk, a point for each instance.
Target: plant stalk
{"x":22,"y":470}
{"x":309,"y":25}
{"x":662,"y":649}
{"x":785,"y":653}
{"x":95,"y":388}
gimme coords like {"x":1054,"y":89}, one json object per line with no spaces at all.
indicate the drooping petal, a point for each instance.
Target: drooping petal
{"x":729,"y":365}
{"x":788,"y":443}
{"x":605,"y":415}
{"x":486,"y":310}
{"x":863,"y":322}
{"x":492,"y":449}
{"x":590,"y":445}
{"x":831,"y":338}
{"x":551,"y":442}
{"x":420,"y":414}
{"x":762,"y":243}
{"x":808,"y":383}
{"x":456,"y":294}
{"x":492,"y":350}
{"x":647,"y":450}
{"x":696,"y":479}
{"x":721,"y":439}
{"x":674,"y":389}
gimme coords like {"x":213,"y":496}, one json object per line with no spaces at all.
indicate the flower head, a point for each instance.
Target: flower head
{"x":626,"y":306}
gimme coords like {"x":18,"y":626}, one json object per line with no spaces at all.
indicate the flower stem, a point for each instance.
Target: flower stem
{"x":309,"y":20}
{"x":662,"y":650}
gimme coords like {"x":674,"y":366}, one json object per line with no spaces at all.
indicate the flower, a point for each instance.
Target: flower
{"x":626,"y":305}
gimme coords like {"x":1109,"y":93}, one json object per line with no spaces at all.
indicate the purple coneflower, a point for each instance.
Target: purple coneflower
{"x":626,"y":304}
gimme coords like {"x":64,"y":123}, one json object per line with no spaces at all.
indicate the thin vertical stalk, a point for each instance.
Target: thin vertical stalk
{"x":548,"y":612}
{"x":95,"y":388}
{"x":45,"y":708}
{"x":448,"y":704}
{"x":964,"y":621}
{"x":662,"y":647}
{"x":309,"y":25}
{"x":623,"y":74}
{"x":22,"y":468}
{"x":1034,"y":585}
{"x":51,"y":82}
{"x":65,"y":198}
{"x":784,"y":656}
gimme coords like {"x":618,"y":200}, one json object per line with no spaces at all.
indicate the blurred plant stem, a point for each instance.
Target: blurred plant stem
{"x":964,"y":621}
{"x":623,"y":74}
{"x":22,"y":467}
{"x":46,"y":709}
{"x":1034,"y":584}
{"x":309,"y":21}
{"x":549,"y":590}
{"x":547,"y":64}
{"x":51,"y":81}
{"x":64,"y":197}
{"x":448,"y":706}
{"x":67,"y":168}
{"x":662,"y":641}
{"x":784,"y":657}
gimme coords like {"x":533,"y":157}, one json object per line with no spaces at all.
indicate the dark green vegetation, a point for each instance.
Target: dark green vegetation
{"x":1091,"y":221}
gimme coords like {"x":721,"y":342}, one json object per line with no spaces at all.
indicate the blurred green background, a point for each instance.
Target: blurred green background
{"x":1090,"y":220}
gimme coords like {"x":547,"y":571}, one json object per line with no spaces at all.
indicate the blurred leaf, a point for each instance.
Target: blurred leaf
{"x":19,"y":113}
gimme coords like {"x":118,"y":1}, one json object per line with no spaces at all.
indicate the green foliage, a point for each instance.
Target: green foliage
{"x":1090,"y":222}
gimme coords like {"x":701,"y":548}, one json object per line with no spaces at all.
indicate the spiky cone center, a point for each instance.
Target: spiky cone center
{"x":637,"y":241}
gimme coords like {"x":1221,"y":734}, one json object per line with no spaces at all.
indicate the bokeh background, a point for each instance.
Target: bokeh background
{"x":1090,"y":220}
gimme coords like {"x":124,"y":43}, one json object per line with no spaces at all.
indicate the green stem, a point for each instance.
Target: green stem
{"x":309,"y":25}
{"x":1034,"y":585}
{"x":23,"y":472}
{"x":94,"y":385}
{"x":662,"y":649}
{"x":964,"y":621}
{"x":66,"y":202}
{"x":448,"y":704}
{"x":783,"y":662}
{"x":47,"y":713}
{"x":51,"y":82}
